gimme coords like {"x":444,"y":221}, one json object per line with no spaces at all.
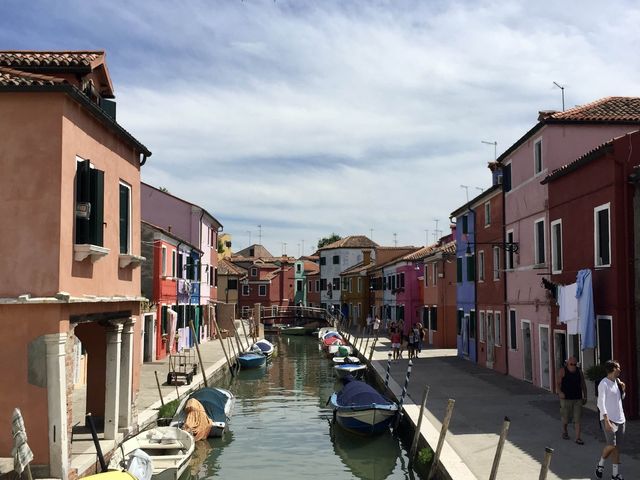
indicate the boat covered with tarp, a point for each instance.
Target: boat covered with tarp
{"x":216,"y":403}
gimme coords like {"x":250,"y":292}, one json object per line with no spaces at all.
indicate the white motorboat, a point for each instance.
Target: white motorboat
{"x":338,"y":360}
{"x":169,"y":449}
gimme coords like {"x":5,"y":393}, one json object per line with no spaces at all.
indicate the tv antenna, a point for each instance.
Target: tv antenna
{"x":561,"y":87}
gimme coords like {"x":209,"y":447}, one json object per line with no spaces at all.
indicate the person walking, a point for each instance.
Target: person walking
{"x":396,"y":340}
{"x":611,"y":392}
{"x":572,"y":391}
{"x":376,"y":326}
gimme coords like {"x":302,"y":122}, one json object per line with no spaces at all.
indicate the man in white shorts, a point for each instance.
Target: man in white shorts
{"x":610,"y":396}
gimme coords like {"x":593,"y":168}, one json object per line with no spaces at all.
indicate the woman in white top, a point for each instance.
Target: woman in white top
{"x":610,"y":396}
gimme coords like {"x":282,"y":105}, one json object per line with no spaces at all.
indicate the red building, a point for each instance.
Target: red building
{"x":591,"y":213}
{"x":268,"y":282}
{"x":439,"y":280}
{"x":490,"y":278}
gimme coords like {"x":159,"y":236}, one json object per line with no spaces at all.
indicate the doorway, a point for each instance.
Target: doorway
{"x":490,"y":340}
{"x":465,"y":334}
{"x":149,"y":325}
{"x":526,"y":351}
{"x":545,"y":374}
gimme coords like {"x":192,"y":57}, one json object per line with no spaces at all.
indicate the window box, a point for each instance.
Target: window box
{"x":127,"y":259}
{"x":84,"y":250}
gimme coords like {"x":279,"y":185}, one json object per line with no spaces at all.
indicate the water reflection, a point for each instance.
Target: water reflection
{"x":281,"y":426}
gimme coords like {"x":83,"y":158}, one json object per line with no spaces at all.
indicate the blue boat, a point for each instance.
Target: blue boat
{"x":360,"y":408}
{"x":354,"y":369}
{"x":217,"y":402}
{"x":251,"y":360}
{"x":263,"y":346}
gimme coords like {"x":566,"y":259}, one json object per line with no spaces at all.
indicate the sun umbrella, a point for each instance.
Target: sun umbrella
{"x":22,"y":454}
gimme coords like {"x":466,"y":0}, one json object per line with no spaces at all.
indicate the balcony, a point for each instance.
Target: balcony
{"x":94,"y":252}
{"x":125,"y":260}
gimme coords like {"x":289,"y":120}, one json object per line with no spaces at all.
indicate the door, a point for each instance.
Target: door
{"x":491,"y":341}
{"x":559,"y":349}
{"x":545,"y":363}
{"x":526,"y":350}
{"x":149,"y":336}
{"x":465,"y":334}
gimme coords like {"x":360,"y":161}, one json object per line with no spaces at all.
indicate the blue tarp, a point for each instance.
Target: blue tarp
{"x":356,"y":392}
{"x":213,"y":402}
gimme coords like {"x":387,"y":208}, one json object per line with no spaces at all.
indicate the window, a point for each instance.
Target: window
{"x":350,"y":284}
{"x":393,"y":282}
{"x":538,"y":234}
{"x":310,"y":287}
{"x":426,"y":275}
{"x":384,"y":283}
{"x":506,"y":178}
{"x":481,"y":265}
{"x":509,"y":253}
{"x":245,"y":311}
{"x":498,"y":327}
{"x":556,"y":246}
{"x":323,"y":260}
{"x":459,"y":322}
{"x":336,"y":259}
{"x":180,"y":269}
{"x":299,"y":286}
{"x":482,"y":326}
{"x":401,"y":281}
{"x":459,"y":270}
{"x":298,"y":268}
{"x":254,"y":272}
{"x":173,"y":263}
{"x":537,"y":157}
{"x":471,"y":268}
{"x":605,"y":338}
{"x":323,"y":284}
{"x":336,"y":283}
{"x":89,"y":204}
{"x":496,"y":263}
{"x":245,"y":290}
{"x":434,"y":318}
{"x":487,"y":214}
{"x":602,"y":233}
{"x":465,"y":224}
{"x":232,"y":284}
{"x":472,"y":324}
{"x":435,"y":273}
{"x":262,"y":290}
{"x":359,"y":284}
{"x":125,"y":218}
{"x":163,"y":262}
{"x":318,"y":285}
{"x":513,"y":332}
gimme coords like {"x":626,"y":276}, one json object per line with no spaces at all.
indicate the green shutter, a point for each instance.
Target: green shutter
{"x":163,"y":322}
{"x":471,"y":268}
{"x":124,"y":219}
{"x":96,"y":220}
{"x":459,"y":270}
{"x":472,"y":324}
{"x":82,"y":195}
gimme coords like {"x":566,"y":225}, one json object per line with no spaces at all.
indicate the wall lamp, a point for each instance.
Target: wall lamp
{"x":513,"y":247}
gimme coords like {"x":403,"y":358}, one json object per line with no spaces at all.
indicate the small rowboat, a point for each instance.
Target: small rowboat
{"x":264,"y":346}
{"x":360,"y":408}
{"x":169,"y":449}
{"x":294,"y":331}
{"x":337,"y":360}
{"x":336,"y":349}
{"x":354,"y":369}
{"x":251,"y":360}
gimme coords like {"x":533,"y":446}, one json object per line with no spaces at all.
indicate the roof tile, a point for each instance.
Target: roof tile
{"x":31,"y":59}
{"x":608,"y":109}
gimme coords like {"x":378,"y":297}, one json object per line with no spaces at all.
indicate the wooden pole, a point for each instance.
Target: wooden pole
{"x":244,"y":330}
{"x":386,"y":378}
{"x":224,"y":350}
{"x":416,"y":434}
{"x":237,"y":337}
{"x":404,"y":392}
{"x":545,"y":464}
{"x":443,"y":432}
{"x":373,"y":347}
{"x":193,"y":332}
{"x":366,"y":347}
{"x":496,"y":459}
{"x":159,"y":389}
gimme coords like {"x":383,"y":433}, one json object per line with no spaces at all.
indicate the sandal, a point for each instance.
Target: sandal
{"x":565,"y":435}
{"x":579,"y":441}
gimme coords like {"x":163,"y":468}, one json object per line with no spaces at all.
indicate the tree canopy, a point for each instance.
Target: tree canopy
{"x":334,"y":237}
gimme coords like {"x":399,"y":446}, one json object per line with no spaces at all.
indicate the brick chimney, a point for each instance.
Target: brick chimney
{"x":366,"y":257}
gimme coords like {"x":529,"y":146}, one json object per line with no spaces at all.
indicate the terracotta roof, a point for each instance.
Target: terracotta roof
{"x":311,"y":267}
{"x":258,"y":252}
{"x":357,"y":268}
{"x":352,"y":241}
{"x":420,"y":254}
{"x":33,"y":59}
{"x":608,"y":109}
{"x":447,"y":248}
{"x":227,"y":268}
{"x":11,"y":77}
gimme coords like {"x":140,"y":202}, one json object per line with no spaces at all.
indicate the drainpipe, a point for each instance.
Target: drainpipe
{"x":475,"y":281}
{"x":505,"y":315}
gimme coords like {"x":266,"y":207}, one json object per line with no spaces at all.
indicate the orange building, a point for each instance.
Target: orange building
{"x":70,"y":239}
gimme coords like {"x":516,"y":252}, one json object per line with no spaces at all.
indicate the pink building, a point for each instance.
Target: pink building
{"x":558,"y":138}
{"x":198,"y":227}
{"x":70,"y":191}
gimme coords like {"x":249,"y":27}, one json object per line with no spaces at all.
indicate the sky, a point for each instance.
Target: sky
{"x":290,"y":120}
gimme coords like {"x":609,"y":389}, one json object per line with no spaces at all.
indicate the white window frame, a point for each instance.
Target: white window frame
{"x":245,"y":290}
{"x":317,"y":285}
{"x":536,"y":159}
{"x":163,"y":261}
{"x":130,"y":220}
{"x":254,"y":271}
{"x":512,"y":328}
{"x":536,"y":240}
{"x":174,"y":262}
{"x":487,"y":214}
{"x":596,"y":239}
{"x":482,"y":318}
{"x":510,"y":256}
{"x":359,"y":284}
{"x":480,"y":273}
{"x":262,"y":290}
{"x":496,"y":263}
{"x":555,"y":248}
{"x":497,"y":321}
{"x":310,"y":286}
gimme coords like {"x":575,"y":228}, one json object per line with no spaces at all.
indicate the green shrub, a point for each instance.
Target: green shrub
{"x":425,"y":456}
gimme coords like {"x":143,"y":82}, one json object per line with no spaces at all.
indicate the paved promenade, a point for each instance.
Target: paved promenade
{"x":483,"y":398}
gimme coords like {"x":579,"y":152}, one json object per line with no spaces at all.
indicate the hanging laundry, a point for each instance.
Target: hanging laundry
{"x":568,"y":307}
{"x":586,"y":315}
{"x":552,"y":287}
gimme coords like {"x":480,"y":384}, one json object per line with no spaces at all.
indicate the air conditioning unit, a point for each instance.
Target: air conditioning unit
{"x":499,"y":179}
{"x":83,"y":210}
{"x":441,"y":275}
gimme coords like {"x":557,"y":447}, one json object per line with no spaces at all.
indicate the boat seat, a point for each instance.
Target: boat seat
{"x":161,"y":446}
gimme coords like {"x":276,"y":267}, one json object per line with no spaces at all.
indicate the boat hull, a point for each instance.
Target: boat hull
{"x":356,"y":370}
{"x":251,"y":360}
{"x":221,"y":416}
{"x":370,"y":421}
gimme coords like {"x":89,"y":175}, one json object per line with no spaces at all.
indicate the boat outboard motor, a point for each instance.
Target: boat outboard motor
{"x":140,"y":465}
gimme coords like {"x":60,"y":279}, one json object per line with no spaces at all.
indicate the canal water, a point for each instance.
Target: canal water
{"x":281,"y":427}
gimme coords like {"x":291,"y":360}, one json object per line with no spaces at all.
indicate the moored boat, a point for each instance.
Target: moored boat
{"x":251,"y":360}
{"x":339,"y":349}
{"x":264,"y":346}
{"x":218,"y":406}
{"x":360,"y":408}
{"x":346,"y":359}
{"x":169,"y":449}
{"x":354,"y":369}
{"x":294,"y":331}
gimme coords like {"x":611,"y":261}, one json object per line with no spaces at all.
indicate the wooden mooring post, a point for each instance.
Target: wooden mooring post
{"x":159,"y":389}
{"x":496,"y":459}
{"x":196,"y":341}
{"x":443,"y":433}
{"x":224,"y":350}
{"x":416,"y":434}
{"x":545,"y":463}
{"x":386,"y":378}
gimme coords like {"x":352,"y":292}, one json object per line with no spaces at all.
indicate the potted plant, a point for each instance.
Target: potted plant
{"x":595,"y":373}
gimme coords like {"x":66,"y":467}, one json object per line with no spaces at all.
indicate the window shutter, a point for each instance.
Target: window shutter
{"x":96,"y":220}
{"x":124,"y":219}
{"x":82,"y":195}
